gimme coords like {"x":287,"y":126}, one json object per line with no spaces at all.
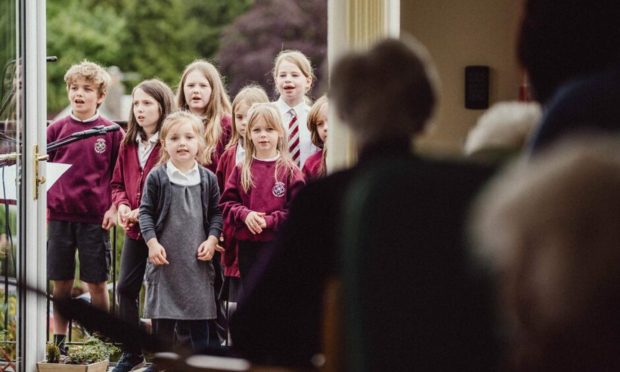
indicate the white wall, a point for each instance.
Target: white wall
{"x":459,"y":33}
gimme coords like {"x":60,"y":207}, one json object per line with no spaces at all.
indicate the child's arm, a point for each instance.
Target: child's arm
{"x":109,"y":218}
{"x":148,"y":215}
{"x":157,"y":253}
{"x":296,"y":182}
{"x":207,"y":249}
{"x":126,"y":216}
{"x":119,"y":193}
{"x":148,"y":207}
{"x":231,"y":202}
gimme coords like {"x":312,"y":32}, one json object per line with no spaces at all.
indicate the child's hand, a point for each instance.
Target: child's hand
{"x":132,"y":218}
{"x":109,"y":218}
{"x":255,"y":221}
{"x":207,"y":249}
{"x":157,"y":253}
{"x":123,"y":215}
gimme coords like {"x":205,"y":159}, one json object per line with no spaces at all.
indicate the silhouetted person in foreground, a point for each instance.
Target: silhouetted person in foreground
{"x":386,"y":96}
{"x":570,"y":52}
{"x":549,"y":228}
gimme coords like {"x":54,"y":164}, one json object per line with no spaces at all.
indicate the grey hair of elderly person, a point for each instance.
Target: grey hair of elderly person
{"x":386,"y":93}
{"x":549,"y":227}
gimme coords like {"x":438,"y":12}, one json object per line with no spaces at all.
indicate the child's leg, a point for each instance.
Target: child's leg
{"x":199,"y":333}
{"x":61,"y":246}
{"x":62,"y":289}
{"x":163,"y":330}
{"x":249,"y":255}
{"x":133,"y":264}
{"x":95,"y":256}
{"x":99,"y":296}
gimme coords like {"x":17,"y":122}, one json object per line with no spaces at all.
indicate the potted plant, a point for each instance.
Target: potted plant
{"x":91,"y":356}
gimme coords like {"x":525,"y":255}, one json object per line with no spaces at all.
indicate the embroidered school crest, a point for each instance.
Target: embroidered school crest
{"x":100,"y":146}
{"x":279,"y":189}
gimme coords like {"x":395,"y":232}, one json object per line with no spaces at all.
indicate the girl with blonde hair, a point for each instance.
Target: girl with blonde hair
{"x":202,"y":92}
{"x":258,"y":193}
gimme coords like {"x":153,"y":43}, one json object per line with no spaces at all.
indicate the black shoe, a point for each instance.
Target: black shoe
{"x":129,"y":362}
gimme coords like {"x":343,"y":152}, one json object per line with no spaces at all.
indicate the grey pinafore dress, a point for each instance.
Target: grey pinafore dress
{"x":183,"y":289}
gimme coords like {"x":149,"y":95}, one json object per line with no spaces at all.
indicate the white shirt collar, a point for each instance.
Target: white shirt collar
{"x":191,"y":178}
{"x":284,"y":107}
{"x":90,"y":119}
{"x":154,"y":138}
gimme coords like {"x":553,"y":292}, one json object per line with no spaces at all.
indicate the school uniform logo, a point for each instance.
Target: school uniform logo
{"x":279,"y":189}
{"x":100,"y":146}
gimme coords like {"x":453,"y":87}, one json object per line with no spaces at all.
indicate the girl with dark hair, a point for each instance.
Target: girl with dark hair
{"x":152,"y":101}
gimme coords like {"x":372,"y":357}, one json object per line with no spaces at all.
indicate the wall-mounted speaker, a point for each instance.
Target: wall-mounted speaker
{"x":477,"y":87}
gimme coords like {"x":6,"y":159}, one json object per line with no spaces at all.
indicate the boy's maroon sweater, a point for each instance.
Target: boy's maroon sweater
{"x":83,"y":192}
{"x":271,"y":196}
{"x":128,"y":180}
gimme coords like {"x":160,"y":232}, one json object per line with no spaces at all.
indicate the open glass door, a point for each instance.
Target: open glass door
{"x":9,"y":239}
{"x":22,"y":197}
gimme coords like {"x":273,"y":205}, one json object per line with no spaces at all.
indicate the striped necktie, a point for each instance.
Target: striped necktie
{"x":293,"y":137}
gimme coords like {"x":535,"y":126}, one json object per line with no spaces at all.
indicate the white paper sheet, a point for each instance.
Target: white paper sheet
{"x":8,"y":179}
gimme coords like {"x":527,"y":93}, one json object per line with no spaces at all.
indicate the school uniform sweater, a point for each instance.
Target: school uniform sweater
{"x":226,"y":124}
{"x":128,"y":180}
{"x":312,"y":166}
{"x":83,"y":192}
{"x":268,"y":195}
{"x":156,"y":202}
{"x":225,"y":166}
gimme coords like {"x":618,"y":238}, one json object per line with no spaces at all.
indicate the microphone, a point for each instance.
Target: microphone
{"x":99,"y":129}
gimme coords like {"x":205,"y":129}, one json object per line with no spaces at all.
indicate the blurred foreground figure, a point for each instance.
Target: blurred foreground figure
{"x":387,"y":97}
{"x":549,"y":228}
{"x":570,"y":52}
{"x":502,"y":131}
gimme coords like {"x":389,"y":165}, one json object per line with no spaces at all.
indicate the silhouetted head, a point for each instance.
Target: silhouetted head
{"x":549,"y":227}
{"x":563,"y":40}
{"x":386,"y":93}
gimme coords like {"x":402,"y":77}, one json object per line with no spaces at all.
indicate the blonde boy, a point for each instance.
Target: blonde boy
{"x":80,"y":211}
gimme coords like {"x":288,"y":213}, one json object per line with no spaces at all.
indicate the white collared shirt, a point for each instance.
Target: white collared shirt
{"x":240,"y":153}
{"x":145,"y":149}
{"x":176,"y":176}
{"x":90,"y":119}
{"x":305,"y":138}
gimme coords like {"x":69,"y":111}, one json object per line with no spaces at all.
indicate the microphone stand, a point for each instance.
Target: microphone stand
{"x":99,"y":130}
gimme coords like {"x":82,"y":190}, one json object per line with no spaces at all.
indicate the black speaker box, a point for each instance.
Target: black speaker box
{"x":477,"y":87}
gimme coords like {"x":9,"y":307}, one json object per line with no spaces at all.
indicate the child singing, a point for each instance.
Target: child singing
{"x":152,"y":101}
{"x":258,"y":193}
{"x":181,"y":224}
{"x":202,"y":92}
{"x":315,"y":166}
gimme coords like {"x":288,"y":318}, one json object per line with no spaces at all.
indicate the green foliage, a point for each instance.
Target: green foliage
{"x":7,"y":58}
{"x":147,"y":38}
{"x":8,"y":333}
{"x":52,"y":353}
{"x":76,"y":31}
{"x":251,"y":43}
{"x":91,"y":351}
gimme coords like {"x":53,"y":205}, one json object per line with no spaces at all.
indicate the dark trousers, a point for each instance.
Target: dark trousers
{"x":249,"y":254}
{"x":133,"y":263}
{"x":196,"y":330}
